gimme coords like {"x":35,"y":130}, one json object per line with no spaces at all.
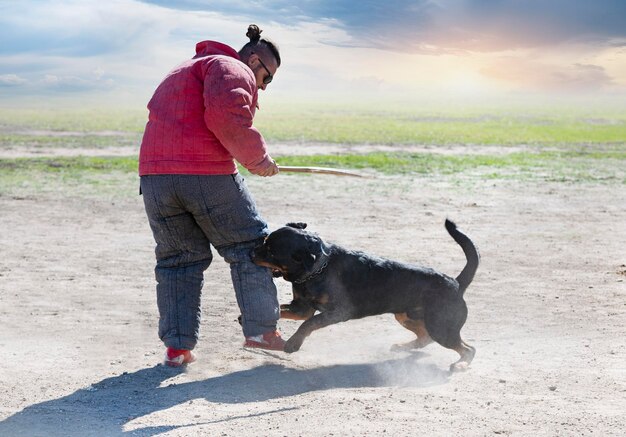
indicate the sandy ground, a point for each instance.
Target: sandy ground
{"x":278,"y":149}
{"x":80,"y":355}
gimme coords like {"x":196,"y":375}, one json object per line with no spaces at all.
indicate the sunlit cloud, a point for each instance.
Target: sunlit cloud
{"x":533,"y":75}
{"x":441,"y":26}
{"x":104,"y":50}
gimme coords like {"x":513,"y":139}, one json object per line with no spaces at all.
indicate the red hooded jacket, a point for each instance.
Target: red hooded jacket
{"x":201,"y":117}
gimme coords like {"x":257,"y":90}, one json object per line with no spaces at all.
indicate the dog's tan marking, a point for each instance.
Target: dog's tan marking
{"x":286,"y":313}
{"x":276,"y":267}
{"x":418,"y":328}
{"x":266,"y":264}
{"x":323,"y":299}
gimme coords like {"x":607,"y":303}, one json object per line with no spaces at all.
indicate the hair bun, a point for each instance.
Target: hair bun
{"x":254,"y":33}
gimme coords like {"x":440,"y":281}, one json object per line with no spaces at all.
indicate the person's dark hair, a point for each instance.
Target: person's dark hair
{"x":254,"y":33}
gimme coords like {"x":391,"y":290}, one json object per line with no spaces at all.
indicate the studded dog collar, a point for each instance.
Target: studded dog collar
{"x":318,"y":268}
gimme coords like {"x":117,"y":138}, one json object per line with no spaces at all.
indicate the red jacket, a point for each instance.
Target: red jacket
{"x":201,"y":117}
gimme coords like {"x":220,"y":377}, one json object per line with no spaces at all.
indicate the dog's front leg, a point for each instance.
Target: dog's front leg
{"x":314,"y":323}
{"x":296,"y":310}
{"x":299,"y":308}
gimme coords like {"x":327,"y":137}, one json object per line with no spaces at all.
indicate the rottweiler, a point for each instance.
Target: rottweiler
{"x":341,"y":284}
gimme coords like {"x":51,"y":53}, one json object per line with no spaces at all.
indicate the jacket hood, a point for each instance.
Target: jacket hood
{"x":207,"y":48}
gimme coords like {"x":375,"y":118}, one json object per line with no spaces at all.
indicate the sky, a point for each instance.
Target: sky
{"x":117,"y":51}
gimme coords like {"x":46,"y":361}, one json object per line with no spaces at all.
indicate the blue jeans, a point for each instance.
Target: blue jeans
{"x":188,"y":214}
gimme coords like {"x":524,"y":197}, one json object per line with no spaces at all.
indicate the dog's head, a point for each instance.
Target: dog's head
{"x":291,"y":252}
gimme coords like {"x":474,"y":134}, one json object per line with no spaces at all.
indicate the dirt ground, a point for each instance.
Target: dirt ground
{"x":547,"y":315}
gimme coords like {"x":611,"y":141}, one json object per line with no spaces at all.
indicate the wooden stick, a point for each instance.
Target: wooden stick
{"x":320,"y":170}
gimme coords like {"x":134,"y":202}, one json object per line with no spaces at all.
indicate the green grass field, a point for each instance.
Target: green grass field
{"x":578,"y":145}
{"x":357,"y":124}
{"x":403,"y":125}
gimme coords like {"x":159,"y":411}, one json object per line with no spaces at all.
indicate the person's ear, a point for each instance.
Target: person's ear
{"x":253,"y":59}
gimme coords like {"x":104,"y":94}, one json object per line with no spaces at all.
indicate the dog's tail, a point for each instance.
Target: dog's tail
{"x":471,"y":253}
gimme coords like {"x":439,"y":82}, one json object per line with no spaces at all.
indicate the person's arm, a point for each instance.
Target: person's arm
{"x":228,"y":99}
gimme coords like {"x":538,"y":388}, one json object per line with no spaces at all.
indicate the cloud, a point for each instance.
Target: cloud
{"x":75,"y":83}
{"x":11,"y":80}
{"x":126,"y":46}
{"x":85,"y":45}
{"x":587,"y":77}
{"x":453,"y":26}
{"x":80,"y":28}
{"x":539,"y":76}
{"x":50,"y":79}
{"x":442,"y":26}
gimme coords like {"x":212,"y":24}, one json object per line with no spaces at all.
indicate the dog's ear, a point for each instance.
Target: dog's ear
{"x":315,"y":245}
{"x":298,"y":225}
{"x":314,"y":249}
{"x":305,"y":258}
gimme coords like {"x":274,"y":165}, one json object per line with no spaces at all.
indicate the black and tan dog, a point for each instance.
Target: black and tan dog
{"x":342,"y":285}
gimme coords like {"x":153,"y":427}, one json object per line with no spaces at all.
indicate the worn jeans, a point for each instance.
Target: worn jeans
{"x":188,"y":214}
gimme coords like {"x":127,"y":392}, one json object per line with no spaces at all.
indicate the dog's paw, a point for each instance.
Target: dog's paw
{"x":459,"y":366}
{"x":293,"y":345}
{"x":401,"y":347}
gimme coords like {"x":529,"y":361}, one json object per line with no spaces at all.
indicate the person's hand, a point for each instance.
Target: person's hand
{"x":270,"y":170}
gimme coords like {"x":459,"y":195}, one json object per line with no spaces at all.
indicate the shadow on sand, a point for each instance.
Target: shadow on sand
{"x":105,"y":407}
